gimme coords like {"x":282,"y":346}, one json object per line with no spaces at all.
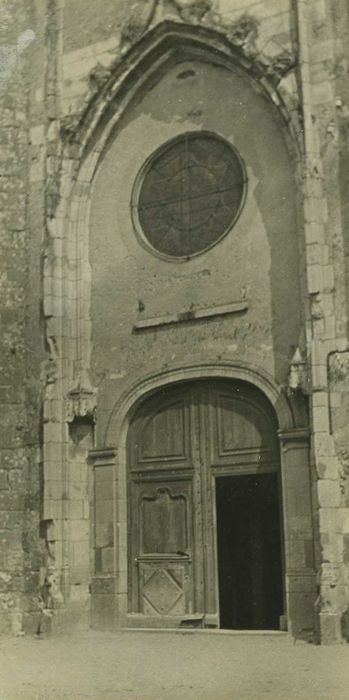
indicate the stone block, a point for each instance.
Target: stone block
{"x":53,"y":509}
{"x":80,"y":553}
{"x":345,"y":516}
{"x":35,"y":623}
{"x":345,"y":542}
{"x":334,"y":597}
{"x":322,"y":93}
{"x":79,"y":530}
{"x":53,"y":489}
{"x":107,"y":563}
{"x":321,"y":418}
{"x":104,"y":511}
{"x":333,"y":548}
{"x":76,"y":509}
{"x":330,"y":520}
{"x":77,"y":474}
{"x":330,"y":631}
{"x":17,"y":480}
{"x":53,"y":471}
{"x":301,"y":613}
{"x":79,"y":589}
{"x":103,"y":612}
{"x":78,"y":490}
{"x":10,"y":500}
{"x":296,"y":554}
{"x":10,"y":519}
{"x":327,"y":468}
{"x":5,"y":623}
{"x":103,"y":586}
{"x":297,"y":502}
{"x":104,"y":473}
{"x":321,"y":51}
{"x":319,"y":377}
{"x":122,"y":559}
{"x":104,"y":534}
{"x":103,"y":490}
{"x":329,"y":495}
{"x":4,"y":484}
{"x":31,"y":582}
{"x":121,"y":510}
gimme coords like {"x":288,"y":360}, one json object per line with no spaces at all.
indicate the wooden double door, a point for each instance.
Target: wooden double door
{"x":204,"y":532}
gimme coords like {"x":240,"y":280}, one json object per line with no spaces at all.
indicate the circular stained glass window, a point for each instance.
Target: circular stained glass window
{"x":189,"y":194}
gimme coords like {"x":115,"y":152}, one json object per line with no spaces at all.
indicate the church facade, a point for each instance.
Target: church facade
{"x":175,"y":351}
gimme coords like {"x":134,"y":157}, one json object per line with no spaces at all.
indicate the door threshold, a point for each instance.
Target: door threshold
{"x":196,"y":630}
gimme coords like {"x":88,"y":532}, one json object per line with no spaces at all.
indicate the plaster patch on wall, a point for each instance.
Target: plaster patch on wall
{"x":10,"y":54}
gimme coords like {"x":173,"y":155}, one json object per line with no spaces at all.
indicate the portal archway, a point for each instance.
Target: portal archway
{"x":111,"y":582}
{"x":204,"y":504}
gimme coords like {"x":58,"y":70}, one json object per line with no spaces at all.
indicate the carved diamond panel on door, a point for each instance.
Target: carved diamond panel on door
{"x":163,"y":590}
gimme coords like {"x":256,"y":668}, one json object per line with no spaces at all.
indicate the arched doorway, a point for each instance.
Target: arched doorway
{"x":204,"y":504}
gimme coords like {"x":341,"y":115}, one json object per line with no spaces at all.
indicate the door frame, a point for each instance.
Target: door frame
{"x":295,"y":476}
{"x":265,"y":469}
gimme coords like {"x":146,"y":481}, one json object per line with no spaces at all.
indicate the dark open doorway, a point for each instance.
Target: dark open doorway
{"x":249,"y":551}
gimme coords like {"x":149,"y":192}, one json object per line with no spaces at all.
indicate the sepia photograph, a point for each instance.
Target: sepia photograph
{"x":174,"y":349}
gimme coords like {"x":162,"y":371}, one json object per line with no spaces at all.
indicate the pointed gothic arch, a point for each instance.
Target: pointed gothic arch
{"x":83,"y":147}
{"x":67,"y":288}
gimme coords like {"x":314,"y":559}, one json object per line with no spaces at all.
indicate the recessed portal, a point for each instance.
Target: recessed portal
{"x":249,"y":551}
{"x":178,"y":440}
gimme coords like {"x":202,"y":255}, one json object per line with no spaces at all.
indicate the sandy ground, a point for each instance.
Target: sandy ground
{"x":171,"y":666}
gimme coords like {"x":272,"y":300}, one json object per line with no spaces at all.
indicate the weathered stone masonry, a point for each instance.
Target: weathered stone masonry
{"x":70,"y":75}
{"x":21,"y":343}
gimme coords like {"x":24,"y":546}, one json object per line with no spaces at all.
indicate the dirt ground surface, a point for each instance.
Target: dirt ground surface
{"x":134,"y":665}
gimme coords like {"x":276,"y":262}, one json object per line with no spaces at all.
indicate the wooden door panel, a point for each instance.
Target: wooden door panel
{"x":163,"y":435}
{"x":178,"y":442}
{"x":164,"y":520}
{"x":160,"y":436}
{"x":240,"y":431}
{"x":162,"y":547}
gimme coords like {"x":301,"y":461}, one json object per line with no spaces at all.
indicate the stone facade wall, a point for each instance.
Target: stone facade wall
{"x":326,"y":289}
{"x":21,"y":342}
{"x":257,"y":263}
{"x":65,"y":65}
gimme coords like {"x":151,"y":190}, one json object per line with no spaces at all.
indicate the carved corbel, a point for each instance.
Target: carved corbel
{"x":82,"y":399}
{"x":298,"y":374}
